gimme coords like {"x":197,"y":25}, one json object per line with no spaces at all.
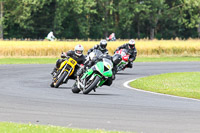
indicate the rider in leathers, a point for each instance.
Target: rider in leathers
{"x":130,"y":46}
{"x":77,"y":55}
{"x":101,"y":47}
{"x":89,"y":63}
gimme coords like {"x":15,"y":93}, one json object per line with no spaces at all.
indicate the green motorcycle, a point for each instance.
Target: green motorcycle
{"x":95,"y":76}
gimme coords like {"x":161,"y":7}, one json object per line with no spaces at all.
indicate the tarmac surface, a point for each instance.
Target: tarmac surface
{"x":25,"y":96}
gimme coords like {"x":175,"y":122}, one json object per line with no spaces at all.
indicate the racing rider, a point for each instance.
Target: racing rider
{"x":102,"y":47}
{"x":77,"y":55}
{"x":90,"y":62}
{"x":130,"y":47}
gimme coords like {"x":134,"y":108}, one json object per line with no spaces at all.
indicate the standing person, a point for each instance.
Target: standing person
{"x":102,"y":47}
{"x":50,"y":36}
{"x":130,"y":47}
{"x":77,"y":55}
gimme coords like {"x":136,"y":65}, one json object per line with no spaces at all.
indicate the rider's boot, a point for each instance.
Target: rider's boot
{"x":53,"y":73}
{"x":113,"y":76}
{"x":129,"y":65}
{"x":81,"y":71}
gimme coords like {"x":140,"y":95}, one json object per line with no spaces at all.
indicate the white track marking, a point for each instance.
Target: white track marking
{"x":127,"y":86}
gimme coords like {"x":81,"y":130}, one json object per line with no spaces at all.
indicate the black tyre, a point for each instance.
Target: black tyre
{"x":91,"y":85}
{"x":52,"y":84}
{"x":60,"y":80}
{"x":75,"y":89}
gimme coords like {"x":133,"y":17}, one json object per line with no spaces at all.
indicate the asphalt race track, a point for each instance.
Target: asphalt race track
{"x":25,"y":96}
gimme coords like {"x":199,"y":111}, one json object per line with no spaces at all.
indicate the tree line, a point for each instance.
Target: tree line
{"x":95,"y":19}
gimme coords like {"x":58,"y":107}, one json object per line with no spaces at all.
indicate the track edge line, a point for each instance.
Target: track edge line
{"x":126,"y":84}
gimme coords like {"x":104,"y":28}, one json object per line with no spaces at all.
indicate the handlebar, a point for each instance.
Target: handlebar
{"x":79,"y":65}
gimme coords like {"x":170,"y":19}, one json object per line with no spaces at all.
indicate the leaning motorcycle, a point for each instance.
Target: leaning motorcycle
{"x":65,"y":70}
{"x":95,"y":76}
{"x":125,"y":59}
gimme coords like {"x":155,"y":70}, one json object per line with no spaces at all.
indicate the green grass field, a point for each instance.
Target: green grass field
{"x":184,"y":84}
{"x":7,"y":127}
{"x":28,"y":60}
{"x":39,"y":60}
{"x":166,"y":59}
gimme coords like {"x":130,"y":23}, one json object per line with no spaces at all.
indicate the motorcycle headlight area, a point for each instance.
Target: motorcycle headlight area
{"x":107,"y":63}
{"x":107,"y":66}
{"x":93,"y":68}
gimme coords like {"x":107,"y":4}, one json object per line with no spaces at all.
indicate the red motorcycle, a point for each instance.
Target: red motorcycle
{"x":125,"y":59}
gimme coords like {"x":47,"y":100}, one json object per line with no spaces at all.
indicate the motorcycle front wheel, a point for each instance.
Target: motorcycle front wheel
{"x":60,"y":80}
{"x":91,"y":85}
{"x":52,"y":84}
{"x":75,"y":88}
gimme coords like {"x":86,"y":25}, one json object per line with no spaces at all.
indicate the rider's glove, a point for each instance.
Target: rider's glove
{"x":81,"y":65}
{"x":116,"y":50}
{"x":63,"y":55}
{"x":131,"y":59}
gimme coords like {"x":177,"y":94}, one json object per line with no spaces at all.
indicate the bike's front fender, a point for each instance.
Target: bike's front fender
{"x":62,"y":64}
{"x":88,"y":73}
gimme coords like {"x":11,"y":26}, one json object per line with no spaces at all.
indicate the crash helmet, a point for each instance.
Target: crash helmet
{"x":78,"y":50}
{"x":131,"y":44}
{"x":103,"y":44}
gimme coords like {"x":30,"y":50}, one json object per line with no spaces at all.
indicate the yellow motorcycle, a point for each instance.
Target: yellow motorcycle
{"x":65,"y":70}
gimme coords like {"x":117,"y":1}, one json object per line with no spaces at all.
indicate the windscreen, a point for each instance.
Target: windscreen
{"x":97,"y":52}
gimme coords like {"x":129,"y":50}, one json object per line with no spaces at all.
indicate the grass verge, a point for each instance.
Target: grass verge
{"x":28,"y":60}
{"x":184,"y":84}
{"x":7,"y":127}
{"x":167,"y":59}
{"x":52,"y":60}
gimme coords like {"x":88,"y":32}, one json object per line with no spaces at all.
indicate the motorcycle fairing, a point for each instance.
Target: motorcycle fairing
{"x":71,"y":62}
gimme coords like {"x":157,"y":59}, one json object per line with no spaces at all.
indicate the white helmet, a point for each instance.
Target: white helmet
{"x":78,"y":50}
{"x":131,"y":44}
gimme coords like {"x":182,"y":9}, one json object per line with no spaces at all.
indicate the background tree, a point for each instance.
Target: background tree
{"x":96,"y":19}
{"x":1,"y":19}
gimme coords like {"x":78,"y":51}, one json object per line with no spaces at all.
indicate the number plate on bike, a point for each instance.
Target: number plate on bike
{"x":72,"y":62}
